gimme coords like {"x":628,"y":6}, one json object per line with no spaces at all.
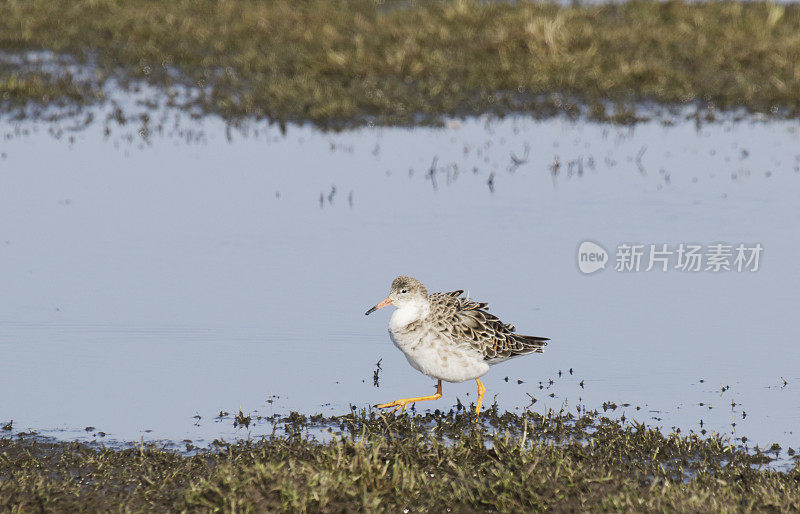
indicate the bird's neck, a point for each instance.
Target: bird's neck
{"x":409,"y":313}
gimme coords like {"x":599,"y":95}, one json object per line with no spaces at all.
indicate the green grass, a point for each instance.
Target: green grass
{"x":424,"y":462}
{"x":338,"y":63}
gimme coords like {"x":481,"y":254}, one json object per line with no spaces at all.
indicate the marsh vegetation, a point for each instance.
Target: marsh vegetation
{"x":338,"y":63}
{"x":433,"y":462}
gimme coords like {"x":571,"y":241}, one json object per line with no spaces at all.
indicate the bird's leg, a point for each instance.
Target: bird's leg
{"x":481,"y":392}
{"x":401,"y":403}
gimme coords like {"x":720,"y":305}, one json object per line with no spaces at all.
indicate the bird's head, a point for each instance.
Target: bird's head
{"x":405,"y":291}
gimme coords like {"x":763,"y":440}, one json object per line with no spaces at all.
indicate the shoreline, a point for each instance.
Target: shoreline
{"x":423,"y":461}
{"x":344,"y":64}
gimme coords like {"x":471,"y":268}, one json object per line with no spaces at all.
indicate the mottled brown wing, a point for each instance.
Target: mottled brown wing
{"x":469,"y":322}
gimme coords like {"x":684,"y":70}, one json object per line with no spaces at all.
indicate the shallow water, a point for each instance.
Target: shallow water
{"x":145,"y":283}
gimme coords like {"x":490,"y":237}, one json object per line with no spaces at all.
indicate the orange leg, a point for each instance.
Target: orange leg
{"x":401,"y":403}
{"x":481,"y":392}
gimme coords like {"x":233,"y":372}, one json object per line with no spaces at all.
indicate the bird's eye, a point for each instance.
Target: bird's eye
{"x":404,"y":290}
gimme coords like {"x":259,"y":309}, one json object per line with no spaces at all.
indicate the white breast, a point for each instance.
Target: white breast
{"x":430,"y":351}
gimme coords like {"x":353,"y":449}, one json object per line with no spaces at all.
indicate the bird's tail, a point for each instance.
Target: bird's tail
{"x":530,"y":344}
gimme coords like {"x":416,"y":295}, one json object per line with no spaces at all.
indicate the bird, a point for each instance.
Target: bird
{"x":449,"y":337}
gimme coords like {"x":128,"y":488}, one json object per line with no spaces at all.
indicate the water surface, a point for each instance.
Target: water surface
{"x":148,"y":282}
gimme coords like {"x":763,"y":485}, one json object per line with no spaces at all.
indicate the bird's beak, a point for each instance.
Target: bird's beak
{"x":381,"y":305}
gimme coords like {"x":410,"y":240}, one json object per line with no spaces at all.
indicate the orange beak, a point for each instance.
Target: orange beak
{"x":381,"y":305}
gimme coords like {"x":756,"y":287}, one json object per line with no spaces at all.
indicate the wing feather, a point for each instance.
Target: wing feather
{"x":469,"y":322}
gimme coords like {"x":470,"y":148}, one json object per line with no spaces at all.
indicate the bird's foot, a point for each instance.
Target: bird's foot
{"x":402,"y":402}
{"x":397,"y":404}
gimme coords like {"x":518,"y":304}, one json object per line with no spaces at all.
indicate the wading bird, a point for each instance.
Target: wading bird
{"x":448,"y":337}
